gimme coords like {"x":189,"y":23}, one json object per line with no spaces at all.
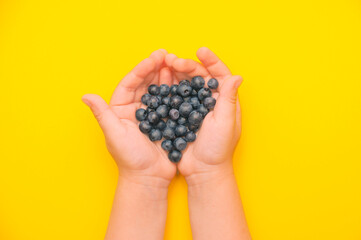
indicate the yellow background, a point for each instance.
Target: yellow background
{"x":298,"y":163}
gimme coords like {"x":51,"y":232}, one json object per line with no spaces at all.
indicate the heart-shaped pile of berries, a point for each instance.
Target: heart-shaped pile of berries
{"x":176,"y":113}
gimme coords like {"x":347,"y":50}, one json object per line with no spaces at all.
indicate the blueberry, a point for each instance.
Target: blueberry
{"x":164,"y":90}
{"x":174,"y":156}
{"x":153,"y":117}
{"x":166,"y":101}
{"x":195,"y":102}
{"x":176,"y":101}
{"x":145,"y":126}
{"x":170,"y":123}
{"x":184,"y":90}
{"x":180,"y":130}
{"x":209,"y":102}
{"x":167,"y":145}
{"x":153,"y":89}
{"x":173,"y":89}
{"x":145,"y":98}
{"x":185,"y":109}
{"x":195,"y":118}
{"x":190,"y":136}
{"x":186,"y":99}
{"x":174,"y":114}
{"x":179,"y":144}
{"x":149,"y":110}
{"x":212,"y":83}
{"x":153,"y":102}
{"x":197,"y":82}
{"x":194,"y":93}
{"x":185,"y":82}
{"x":203,"y":93}
{"x":168,"y":133}
{"x":162,"y":111}
{"x":155,"y":135}
{"x":193,"y":127}
{"x":182,"y":121}
{"x":159,"y":99}
{"x":161,"y":125}
{"x":141,"y":114}
{"x":202,"y":109}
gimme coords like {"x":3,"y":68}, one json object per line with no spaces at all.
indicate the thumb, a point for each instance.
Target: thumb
{"x":227,"y":100}
{"x":96,"y":104}
{"x":105,"y":117}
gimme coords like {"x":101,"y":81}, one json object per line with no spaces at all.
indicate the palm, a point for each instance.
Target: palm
{"x":219,"y":132}
{"x":131,"y":149}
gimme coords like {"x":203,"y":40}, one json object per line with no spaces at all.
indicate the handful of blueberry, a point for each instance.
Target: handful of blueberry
{"x":176,"y":113}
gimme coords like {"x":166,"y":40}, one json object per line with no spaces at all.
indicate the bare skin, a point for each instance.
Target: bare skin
{"x":215,"y":207}
{"x":140,"y":203}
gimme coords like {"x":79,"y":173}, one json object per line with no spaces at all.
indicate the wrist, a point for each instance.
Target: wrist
{"x":211,"y":174}
{"x":145,"y":187}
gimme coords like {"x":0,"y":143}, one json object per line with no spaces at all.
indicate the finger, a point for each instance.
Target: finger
{"x":106,"y":118}
{"x":238,"y":117}
{"x":190,"y":68}
{"x":213,"y":64}
{"x":227,"y":99}
{"x":125,"y":91}
{"x":165,"y":76}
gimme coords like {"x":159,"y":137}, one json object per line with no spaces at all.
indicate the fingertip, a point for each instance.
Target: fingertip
{"x":202,"y":50}
{"x":169,"y":59}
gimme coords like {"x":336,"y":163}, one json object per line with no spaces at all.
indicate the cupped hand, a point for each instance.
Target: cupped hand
{"x":137,"y":157}
{"x":221,"y":128}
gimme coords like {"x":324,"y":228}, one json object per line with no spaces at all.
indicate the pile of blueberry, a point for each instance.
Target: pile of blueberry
{"x":176,"y":113}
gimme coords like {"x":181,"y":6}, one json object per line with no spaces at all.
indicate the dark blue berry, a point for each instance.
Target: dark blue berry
{"x":153,"y":89}
{"x":145,"y":126}
{"x":159,"y":99}
{"x":145,"y":98}
{"x":174,"y":114}
{"x":168,"y":133}
{"x":185,"y":109}
{"x":203,"y":93}
{"x":161,"y":125}
{"x":162,"y":111}
{"x":184,"y":90}
{"x":155,"y":135}
{"x":190,"y":136}
{"x":170,"y":123}
{"x":180,"y":144}
{"x":167,"y":145}
{"x":182,"y":121}
{"x":202,"y":109}
{"x":209,"y":102}
{"x":164,"y":90}
{"x":195,"y":102}
{"x":149,"y":110}
{"x":180,"y":130}
{"x":186,"y":99}
{"x":195,"y":118}
{"x":176,"y":101}
{"x":166,"y":101}
{"x":197,"y":82}
{"x":194,"y":93}
{"x":173,"y":89}
{"x":212,"y":83}
{"x":174,"y":156}
{"x":193,"y":127}
{"x":141,"y":114}
{"x":185,"y":82}
{"x":153,"y":102}
{"x":153,"y":117}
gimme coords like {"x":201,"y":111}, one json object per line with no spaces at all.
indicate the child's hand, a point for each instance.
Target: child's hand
{"x":138,"y":159}
{"x":211,"y":153}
